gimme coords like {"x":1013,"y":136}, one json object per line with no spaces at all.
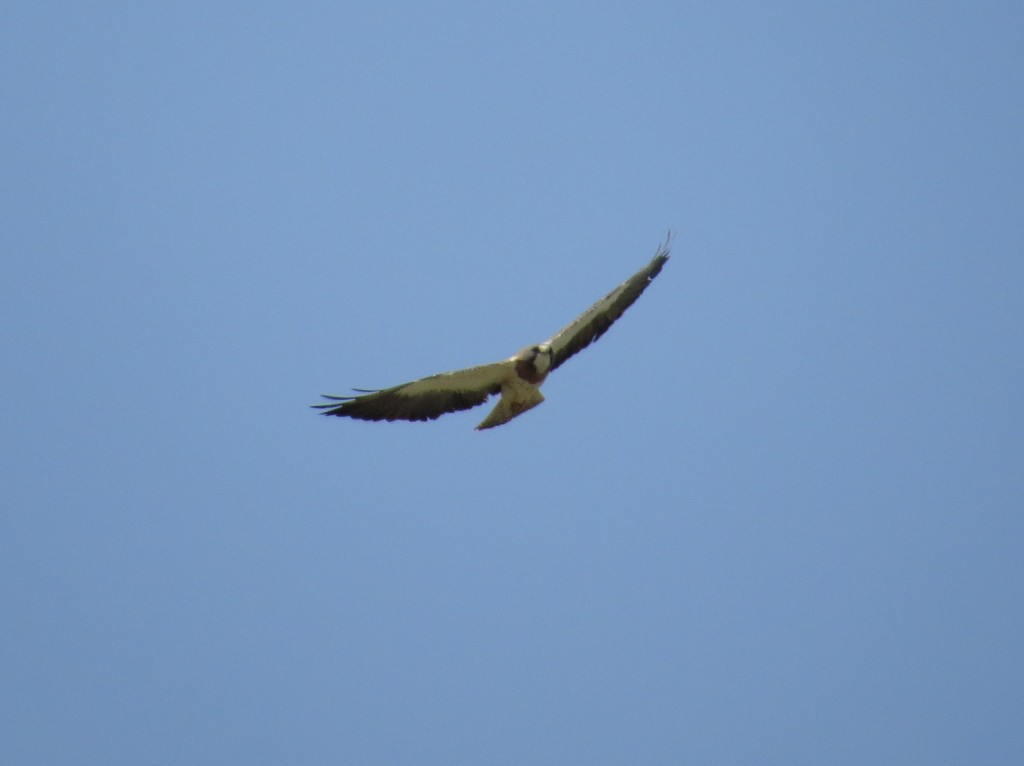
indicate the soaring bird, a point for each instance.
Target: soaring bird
{"x":518,"y":379}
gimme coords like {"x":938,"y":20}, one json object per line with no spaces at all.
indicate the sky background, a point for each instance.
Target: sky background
{"x":774,"y":516}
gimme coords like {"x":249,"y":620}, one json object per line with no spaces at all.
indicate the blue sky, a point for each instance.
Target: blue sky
{"x":773,"y":516}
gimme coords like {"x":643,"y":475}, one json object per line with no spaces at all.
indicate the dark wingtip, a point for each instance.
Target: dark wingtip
{"x":333,"y":405}
{"x":665,"y":247}
{"x":334,"y":398}
{"x":660,"y":257}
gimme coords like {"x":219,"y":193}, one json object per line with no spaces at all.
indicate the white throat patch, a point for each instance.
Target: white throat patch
{"x":542,"y":362}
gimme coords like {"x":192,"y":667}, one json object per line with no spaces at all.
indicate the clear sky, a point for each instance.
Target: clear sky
{"x":774,"y":516}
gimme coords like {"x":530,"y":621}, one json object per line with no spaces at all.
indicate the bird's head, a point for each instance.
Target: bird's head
{"x":534,"y":362}
{"x":541,"y":357}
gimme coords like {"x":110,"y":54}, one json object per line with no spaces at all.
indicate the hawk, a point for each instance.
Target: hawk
{"x":517,"y":379}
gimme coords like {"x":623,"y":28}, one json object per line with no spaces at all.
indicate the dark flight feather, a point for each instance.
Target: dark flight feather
{"x":595,"y":321}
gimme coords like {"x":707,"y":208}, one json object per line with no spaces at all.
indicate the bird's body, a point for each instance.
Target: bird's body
{"x":520,"y":391}
{"x":517,"y":379}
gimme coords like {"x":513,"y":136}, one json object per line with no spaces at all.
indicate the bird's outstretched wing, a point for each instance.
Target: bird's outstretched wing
{"x":423,"y":399}
{"x":595,"y":321}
